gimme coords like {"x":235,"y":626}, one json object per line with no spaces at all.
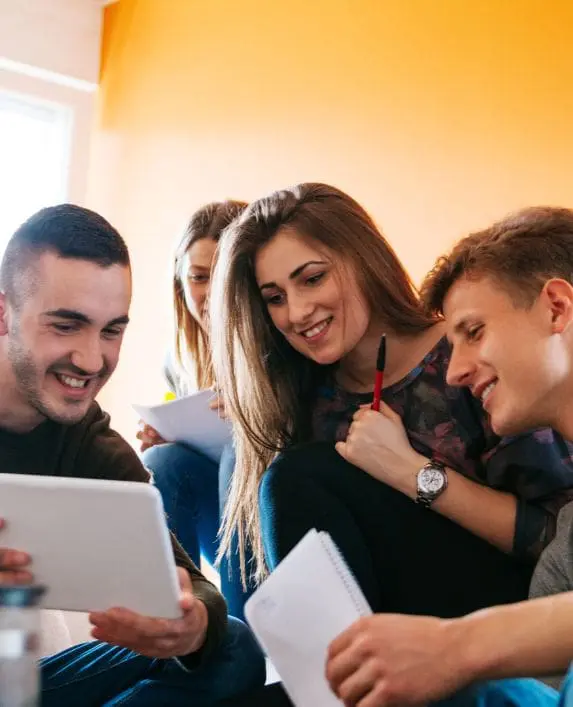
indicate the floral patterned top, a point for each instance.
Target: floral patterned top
{"x":450,"y":425}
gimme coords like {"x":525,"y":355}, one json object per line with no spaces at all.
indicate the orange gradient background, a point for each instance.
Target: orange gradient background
{"x":438,"y":115}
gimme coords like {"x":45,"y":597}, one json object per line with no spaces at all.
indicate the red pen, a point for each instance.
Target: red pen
{"x":379,"y":380}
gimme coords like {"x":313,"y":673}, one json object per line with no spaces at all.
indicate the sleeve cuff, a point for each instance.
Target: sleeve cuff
{"x":216,"y":629}
{"x":532,"y":530}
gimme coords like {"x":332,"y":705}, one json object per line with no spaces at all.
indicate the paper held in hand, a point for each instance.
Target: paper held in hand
{"x":191,"y":421}
{"x":307,"y":602}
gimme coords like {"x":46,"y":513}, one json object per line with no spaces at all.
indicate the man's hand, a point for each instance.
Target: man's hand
{"x":13,"y":565}
{"x":156,"y":638}
{"x":389,"y":660}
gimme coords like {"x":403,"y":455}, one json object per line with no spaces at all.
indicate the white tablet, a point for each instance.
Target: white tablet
{"x":94,"y":543}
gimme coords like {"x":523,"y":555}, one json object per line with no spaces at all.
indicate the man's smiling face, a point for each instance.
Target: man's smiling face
{"x":63,"y":334}
{"x":514,"y":358}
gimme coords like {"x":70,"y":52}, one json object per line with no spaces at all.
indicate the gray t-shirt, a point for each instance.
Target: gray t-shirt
{"x":554,"y":571}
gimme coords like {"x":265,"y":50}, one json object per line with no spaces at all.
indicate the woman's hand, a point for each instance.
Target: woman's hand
{"x":148,"y":436}
{"x":377,"y":443}
{"x":217,"y":405}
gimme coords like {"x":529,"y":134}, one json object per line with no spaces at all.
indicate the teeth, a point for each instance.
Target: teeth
{"x":73,"y":382}
{"x":316,"y":330}
{"x":487,"y":392}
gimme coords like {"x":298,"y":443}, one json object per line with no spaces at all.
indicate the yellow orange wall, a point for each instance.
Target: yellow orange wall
{"x":439,"y":115}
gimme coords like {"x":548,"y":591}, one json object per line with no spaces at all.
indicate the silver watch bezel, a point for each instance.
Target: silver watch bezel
{"x":425,"y":496}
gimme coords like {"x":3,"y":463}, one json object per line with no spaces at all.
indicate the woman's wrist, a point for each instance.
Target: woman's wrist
{"x":408,"y":476}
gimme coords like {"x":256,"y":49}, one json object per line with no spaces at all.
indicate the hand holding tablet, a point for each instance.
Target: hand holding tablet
{"x":156,"y":638}
{"x":14,"y":564}
{"x":95,"y":544}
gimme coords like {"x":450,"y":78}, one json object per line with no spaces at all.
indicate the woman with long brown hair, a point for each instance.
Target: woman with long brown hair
{"x":189,"y":481}
{"x":433,"y":512}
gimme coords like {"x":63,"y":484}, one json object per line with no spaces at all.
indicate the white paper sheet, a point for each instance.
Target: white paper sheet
{"x":189,"y":420}
{"x":309,"y":600}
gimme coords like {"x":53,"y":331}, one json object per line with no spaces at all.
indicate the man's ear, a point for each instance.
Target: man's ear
{"x":558,"y":294}
{"x":3,"y":314}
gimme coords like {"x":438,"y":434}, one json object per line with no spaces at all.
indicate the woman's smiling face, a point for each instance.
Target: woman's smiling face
{"x":312,"y":297}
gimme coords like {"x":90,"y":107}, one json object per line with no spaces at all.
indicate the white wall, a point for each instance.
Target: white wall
{"x":50,"y":50}
{"x":62,"y":36}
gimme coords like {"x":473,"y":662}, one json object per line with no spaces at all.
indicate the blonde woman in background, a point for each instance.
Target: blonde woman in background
{"x":188,"y":480}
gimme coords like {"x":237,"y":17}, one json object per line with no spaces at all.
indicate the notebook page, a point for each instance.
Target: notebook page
{"x":298,"y":611}
{"x":189,"y":420}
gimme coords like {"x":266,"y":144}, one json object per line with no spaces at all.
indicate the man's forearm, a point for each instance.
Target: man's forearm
{"x":532,"y":638}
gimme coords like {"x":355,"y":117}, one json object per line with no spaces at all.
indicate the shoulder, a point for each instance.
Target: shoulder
{"x":104,"y":453}
{"x":553,"y":572}
{"x":542,"y":446}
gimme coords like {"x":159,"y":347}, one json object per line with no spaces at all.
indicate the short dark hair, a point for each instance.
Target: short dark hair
{"x":521,"y":253}
{"x":67,"y":230}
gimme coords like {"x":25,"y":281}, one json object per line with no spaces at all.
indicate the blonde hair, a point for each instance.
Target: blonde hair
{"x":267,"y":386}
{"x":192,"y":347}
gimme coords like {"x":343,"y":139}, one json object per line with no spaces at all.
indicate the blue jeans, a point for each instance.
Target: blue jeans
{"x":523,"y":692}
{"x":194,"y":489}
{"x":99,"y":675}
{"x":188,"y":483}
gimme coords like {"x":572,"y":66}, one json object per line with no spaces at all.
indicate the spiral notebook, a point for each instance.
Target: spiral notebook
{"x":309,"y":600}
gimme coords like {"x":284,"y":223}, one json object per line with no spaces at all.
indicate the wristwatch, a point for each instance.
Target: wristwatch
{"x":432,"y":481}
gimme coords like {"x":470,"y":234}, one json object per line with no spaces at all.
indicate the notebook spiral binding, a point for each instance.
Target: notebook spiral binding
{"x":345,"y":574}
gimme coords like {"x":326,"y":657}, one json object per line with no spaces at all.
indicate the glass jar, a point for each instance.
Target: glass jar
{"x":19,"y":641}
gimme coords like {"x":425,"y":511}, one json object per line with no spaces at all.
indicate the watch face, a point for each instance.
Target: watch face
{"x":431,"y":481}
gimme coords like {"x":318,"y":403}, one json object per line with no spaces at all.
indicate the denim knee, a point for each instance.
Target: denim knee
{"x":313,"y":461}
{"x":293,"y":473}
{"x":285,"y":473}
{"x":175,"y":464}
{"x":166,"y":459}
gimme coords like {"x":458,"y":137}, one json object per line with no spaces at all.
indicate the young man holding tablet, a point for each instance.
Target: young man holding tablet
{"x":65,"y":284}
